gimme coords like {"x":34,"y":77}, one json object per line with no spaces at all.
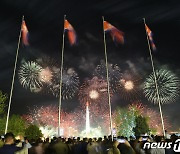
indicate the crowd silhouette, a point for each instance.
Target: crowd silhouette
{"x":76,"y":145}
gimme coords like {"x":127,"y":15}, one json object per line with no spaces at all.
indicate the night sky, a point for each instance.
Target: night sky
{"x":44,"y":20}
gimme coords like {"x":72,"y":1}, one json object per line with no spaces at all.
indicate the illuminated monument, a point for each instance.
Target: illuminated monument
{"x":87,"y":119}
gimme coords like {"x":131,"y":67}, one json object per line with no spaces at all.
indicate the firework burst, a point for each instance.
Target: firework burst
{"x":29,"y":75}
{"x":153,"y":117}
{"x":43,"y":116}
{"x":101,"y":119}
{"x":70,"y":83}
{"x":136,"y":108}
{"x":168,"y":86}
{"x":47,"y":117}
{"x":45,"y":75}
{"x":50,"y":77}
{"x":94,"y":91}
{"x":128,"y":86}
{"x":114,"y":73}
{"x":154,"y":121}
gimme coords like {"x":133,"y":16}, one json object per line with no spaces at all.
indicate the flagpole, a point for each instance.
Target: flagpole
{"x":13,"y":78}
{"x":108,"y":84}
{"x":60,"y":85}
{"x":155,"y":79}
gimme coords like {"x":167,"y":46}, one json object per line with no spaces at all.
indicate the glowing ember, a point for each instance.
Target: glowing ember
{"x":129,"y":85}
{"x":93,"y":94}
{"x":45,"y":75}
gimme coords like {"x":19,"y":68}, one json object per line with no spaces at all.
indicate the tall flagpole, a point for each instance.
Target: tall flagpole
{"x":155,"y":79}
{"x":13,"y":78}
{"x":108,"y":84}
{"x":60,"y":84}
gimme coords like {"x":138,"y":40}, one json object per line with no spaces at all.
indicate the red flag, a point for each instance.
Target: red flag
{"x":117,"y":35}
{"x":24,"y":33}
{"x":71,"y":32}
{"x":150,"y":35}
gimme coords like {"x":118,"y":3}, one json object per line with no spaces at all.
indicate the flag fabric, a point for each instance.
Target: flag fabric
{"x":150,"y":36}
{"x":25,"y":33}
{"x":71,"y":32}
{"x":117,"y":35}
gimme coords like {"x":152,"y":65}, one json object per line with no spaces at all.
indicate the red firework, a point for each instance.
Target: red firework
{"x":48,"y":116}
{"x":154,"y":119}
{"x":43,"y":116}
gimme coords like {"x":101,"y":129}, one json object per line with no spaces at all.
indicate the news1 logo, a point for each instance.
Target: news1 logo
{"x":176,"y":147}
{"x":163,"y":145}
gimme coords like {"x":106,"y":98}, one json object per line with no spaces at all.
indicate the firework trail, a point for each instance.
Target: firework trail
{"x":29,"y":75}
{"x":168,"y":86}
{"x":114,"y":74}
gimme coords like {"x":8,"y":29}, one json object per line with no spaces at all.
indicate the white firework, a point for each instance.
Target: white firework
{"x":29,"y":75}
{"x":168,"y":86}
